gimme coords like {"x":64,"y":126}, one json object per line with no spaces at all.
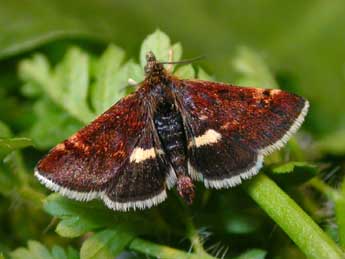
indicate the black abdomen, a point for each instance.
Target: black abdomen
{"x":169,"y":126}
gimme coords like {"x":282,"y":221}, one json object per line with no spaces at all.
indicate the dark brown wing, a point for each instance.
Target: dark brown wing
{"x":114,"y":158}
{"x":231,"y":129}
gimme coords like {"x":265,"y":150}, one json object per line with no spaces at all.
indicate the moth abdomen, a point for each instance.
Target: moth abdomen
{"x":168,"y":123}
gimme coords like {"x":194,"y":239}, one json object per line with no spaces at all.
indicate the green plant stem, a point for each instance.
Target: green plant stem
{"x":340,"y":218}
{"x":338,"y":197}
{"x":163,"y":252}
{"x":340,"y":215}
{"x":307,"y":235}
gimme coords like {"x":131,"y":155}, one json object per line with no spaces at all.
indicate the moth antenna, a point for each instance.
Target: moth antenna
{"x":186,"y":61}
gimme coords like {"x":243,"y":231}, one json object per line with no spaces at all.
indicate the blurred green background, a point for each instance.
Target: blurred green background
{"x":301,"y":42}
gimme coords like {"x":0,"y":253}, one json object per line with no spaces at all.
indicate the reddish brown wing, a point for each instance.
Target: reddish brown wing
{"x":231,"y":128}
{"x":96,"y":161}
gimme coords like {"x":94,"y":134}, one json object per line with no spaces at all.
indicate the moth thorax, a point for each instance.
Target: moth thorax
{"x":185,"y":188}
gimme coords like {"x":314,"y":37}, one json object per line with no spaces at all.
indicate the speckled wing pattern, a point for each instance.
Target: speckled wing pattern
{"x":241,"y":125}
{"x":96,"y":161}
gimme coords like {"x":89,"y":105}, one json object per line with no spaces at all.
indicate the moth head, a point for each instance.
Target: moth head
{"x":153,"y":67}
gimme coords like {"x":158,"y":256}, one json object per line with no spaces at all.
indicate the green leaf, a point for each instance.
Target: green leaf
{"x":8,"y":145}
{"x":58,"y":252}
{"x":185,"y":72}
{"x":14,"y":179}
{"x":106,"y":244}
{"x":253,"y":254}
{"x":112,"y":84}
{"x":36,"y":250}
{"x":38,"y":70}
{"x":71,"y":84}
{"x":293,"y":173}
{"x":203,"y":75}
{"x":74,"y":227}
{"x":292,"y":166}
{"x":159,"y":43}
{"x":253,"y":70}
{"x":72,"y":253}
{"x":67,"y":85}
{"x":20,"y":253}
{"x":52,"y":124}
{"x":76,"y":218}
{"x":106,"y":69}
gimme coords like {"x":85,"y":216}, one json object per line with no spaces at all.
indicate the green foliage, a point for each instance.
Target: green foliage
{"x":38,"y":251}
{"x":252,"y":69}
{"x":105,"y":244}
{"x":292,"y":166}
{"x":78,"y":218}
{"x":110,"y":70}
{"x":253,"y":254}
{"x":60,"y":93}
{"x":10,"y":144}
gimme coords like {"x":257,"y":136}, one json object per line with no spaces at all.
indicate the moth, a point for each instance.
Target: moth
{"x":171,"y":132}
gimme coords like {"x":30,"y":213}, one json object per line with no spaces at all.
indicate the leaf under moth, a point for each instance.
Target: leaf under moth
{"x":106,"y":244}
{"x":36,"y":250}
{"x":78,"y":218}
{"x":293,"y":173}
{"x":290,"y":167}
